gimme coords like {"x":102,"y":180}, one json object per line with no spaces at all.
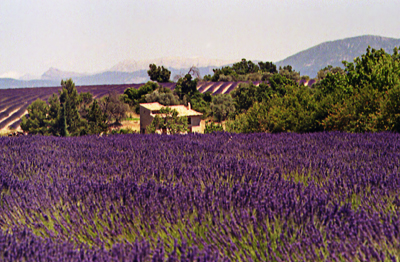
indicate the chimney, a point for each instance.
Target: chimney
{"x":189,"y":107}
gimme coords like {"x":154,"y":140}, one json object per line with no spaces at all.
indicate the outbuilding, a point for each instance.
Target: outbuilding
{"x":149,"y":110}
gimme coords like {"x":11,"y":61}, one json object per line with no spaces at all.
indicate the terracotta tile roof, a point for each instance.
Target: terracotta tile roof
{"x":184,"y":111}
{"x":181,"y":109}
{"x":152,"y":106}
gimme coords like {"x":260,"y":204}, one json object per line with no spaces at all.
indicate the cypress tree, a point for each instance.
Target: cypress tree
{"x":96,"y":118}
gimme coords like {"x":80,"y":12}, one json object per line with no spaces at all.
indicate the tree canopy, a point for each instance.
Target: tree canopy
{"x":186,"y":86}
{"x":133,"y":97}
{"x":159,"y":74}
{"x":222,"y":106}
{"x":168,"y":122}
{"x":246,"y":70}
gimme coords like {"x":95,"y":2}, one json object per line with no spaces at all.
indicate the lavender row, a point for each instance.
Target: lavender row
{"x":16,"y":115}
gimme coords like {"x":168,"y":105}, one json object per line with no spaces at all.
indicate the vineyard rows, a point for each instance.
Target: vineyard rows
{"x":14,"y":102}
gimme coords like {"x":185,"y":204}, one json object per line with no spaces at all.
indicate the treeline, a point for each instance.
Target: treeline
{"x":364,"y":97}
{"x":248,"y":71}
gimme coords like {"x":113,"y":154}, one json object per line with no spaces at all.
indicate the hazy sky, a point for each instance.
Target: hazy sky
{"x":94,"y":35}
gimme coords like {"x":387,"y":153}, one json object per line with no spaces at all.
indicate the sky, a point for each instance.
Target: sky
{"x":89,"y":36}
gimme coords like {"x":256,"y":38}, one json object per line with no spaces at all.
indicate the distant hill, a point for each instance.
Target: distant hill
{"x":15,"y":83}
{"x":125,"y":72}
{"x":55,"y":74}
{"x":310,"y":61}
{"x":53,"y":77}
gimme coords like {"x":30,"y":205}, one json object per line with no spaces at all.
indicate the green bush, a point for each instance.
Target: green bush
{"x":212,"y":127}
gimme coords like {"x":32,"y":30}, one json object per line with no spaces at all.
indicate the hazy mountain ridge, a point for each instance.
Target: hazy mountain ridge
{"x":176,"y":63}
{"x":56,"y":74}
{"x":16,"y":83}
{"x":125,"y":72}
{"x":310,"y":61}
{"x":53,"y":78}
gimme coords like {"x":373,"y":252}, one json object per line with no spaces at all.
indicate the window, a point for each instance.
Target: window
{"x":189,"y":120}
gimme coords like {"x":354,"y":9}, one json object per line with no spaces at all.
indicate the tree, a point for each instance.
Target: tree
{"x":169,"y":122}
{"x":97,"y":120}
{"x":289,"y":73}
{"x":223,"y":72}
{"x":201,"y":103}
{"x":329,"y":70}
{"x":70,"y":101}
{"x":212,"y":127}
{"x":36,"y":122}
{"x":186,"y":86}
{"x":376,"y":68}
{"x":279,"y":82}
{"x":245,"y":67}
{"x":267,"y":67}
{"x":195,"y":72}
{"x":359,"y":112}
{"x":222,"y":106}
{"x":134,"y":97}
{"x":85,"y":100}
{"x":391,"y":110}
{"x":54,"y":115}
{"x":244,"y":96}
{"x":159,"y":74}
{"x":293,"y":112}
{"x":207,"y":96}
{"x":363,"y":96}
{"x":113,"y":107}
{"x":164,"y":96}
{"x":331,"y":82}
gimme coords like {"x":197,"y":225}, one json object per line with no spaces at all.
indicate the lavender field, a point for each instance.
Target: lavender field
{"x":218,"y":197}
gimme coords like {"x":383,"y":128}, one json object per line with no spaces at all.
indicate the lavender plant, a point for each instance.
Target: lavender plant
{"x":217,"y":197}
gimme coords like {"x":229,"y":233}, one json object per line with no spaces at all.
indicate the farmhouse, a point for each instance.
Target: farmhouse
{"x":149,"y":110}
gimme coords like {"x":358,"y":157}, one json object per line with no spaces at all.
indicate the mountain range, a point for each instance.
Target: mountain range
{"x":310,"y":61}
{"x":307,"y":62}
{"x":125,"y":72}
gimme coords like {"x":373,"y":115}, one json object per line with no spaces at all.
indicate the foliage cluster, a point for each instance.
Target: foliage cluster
{"x":212,"y":127}
{"x":168,"y":122}
{"x":158,"y":74}
{"x":72,"y":114}
{"x":248,"y":71}
{"x":364,"y":97}
{"x":133,"y":97}
{"x":163,"y":96}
